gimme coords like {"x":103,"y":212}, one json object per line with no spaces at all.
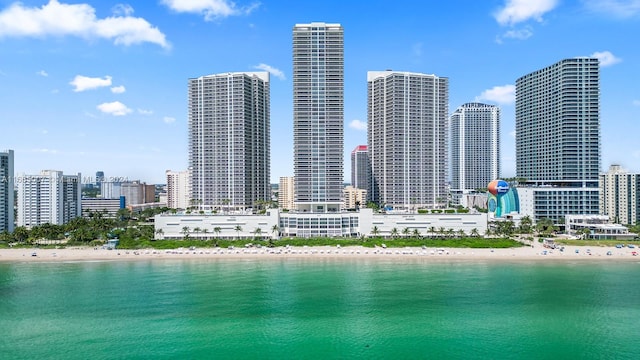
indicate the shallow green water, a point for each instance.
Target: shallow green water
{"x":319,"y":309}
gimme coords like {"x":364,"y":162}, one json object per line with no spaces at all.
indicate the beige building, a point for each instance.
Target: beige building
{"x":354,"y":197}
{"x":178,"y":189}
{"x":619,"y":195}
{"x":285,"y":193}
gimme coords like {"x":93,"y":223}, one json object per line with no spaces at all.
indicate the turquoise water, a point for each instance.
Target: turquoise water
{"x":319,"y":309}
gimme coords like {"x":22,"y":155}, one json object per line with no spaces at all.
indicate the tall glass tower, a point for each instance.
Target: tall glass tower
{"x":318,"y":116}
{"x":229,"y":140}
{"x":475,"y":146}
{"x":558,"y":139}
{"x":7,"y":198}
{"x":407,"y":138}
{"x":558,"y":123}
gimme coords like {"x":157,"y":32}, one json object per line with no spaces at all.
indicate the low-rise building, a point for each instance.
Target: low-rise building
{"x":274,"y":224}
{"x":596,"y":227}
{"x":107,"y":207}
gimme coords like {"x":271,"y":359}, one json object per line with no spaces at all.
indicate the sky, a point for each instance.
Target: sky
{"x":102,"y":85}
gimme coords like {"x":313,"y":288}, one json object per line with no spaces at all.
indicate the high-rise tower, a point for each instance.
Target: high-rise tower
{"x":558,"y":139}
{"x":407,"y":135}
{"x":475,"y":146}
{"x":558,"y":123}
{"x":318,"y":116}
{"x":360,"y":167}
{"x":50,"y":197}
{"x":229,"y":139}
{"x":6,"y":191}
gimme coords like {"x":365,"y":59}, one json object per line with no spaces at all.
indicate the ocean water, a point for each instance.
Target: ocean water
{"x":319,"y":309}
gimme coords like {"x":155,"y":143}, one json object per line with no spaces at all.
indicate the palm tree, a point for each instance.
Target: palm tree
{"x":416,"y":233}
{"x":475,"y":233}
{"x":238,"y":228}
{"x":461,"y":234}
{"x":394,"y":232}
{"x":217,"y":230}
{"x":450,"y":232}
{"x":406,"y":232}
{"x":525,"y":224}
{"x":197,"y":230}
{"x":205,"y":231}
{"x":375,"y":231}
{"x":257,"y":232}
{"x":432,"y":231}
{"x":544,"y":225}
{"x":185,"y":231}
{"x":275,"y":229}
{"x":442,"y":231}
{"x":160,"y":233}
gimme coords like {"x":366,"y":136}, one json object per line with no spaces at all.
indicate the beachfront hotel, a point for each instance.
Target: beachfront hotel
{"x":407,"y":138}
{"x":314,"y":195}
{"x":229,"y":144}
{"x":318,"y":116}
{"x":50,"y":197}
{"x":6,"y":191}
{"x":475,"y":147}
{"x":558,"y":139}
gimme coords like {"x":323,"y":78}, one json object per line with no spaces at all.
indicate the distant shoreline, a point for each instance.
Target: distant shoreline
{"x":323,"y":252}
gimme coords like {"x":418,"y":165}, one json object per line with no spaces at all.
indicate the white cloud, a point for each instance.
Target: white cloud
{"x":606,"y":58}
{"x":168,"y":119}
{"x":78,"y":20}
{"x":42,"y":73}
{"x":115,"y":108}
{"x":122,"y":10}
{"x":211,"y":9}
{"x":517,"y":11}
{"x":504,"y":95}
{"x":82,"y":83}
{"x":521,"y":34}
{"x":636,"y":102}
{"x":358,"y":125}
{"x":512,"y":134}
{"x":118,"y":89}
{"x":617,"y":8}
{"x":145,"y":112}
{"x":273,"y":71}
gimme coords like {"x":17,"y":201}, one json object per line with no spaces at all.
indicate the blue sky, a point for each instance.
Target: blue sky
{"x":102,"y":85}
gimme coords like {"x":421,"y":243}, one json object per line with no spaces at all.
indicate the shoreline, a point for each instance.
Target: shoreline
{"x":323,"y":252}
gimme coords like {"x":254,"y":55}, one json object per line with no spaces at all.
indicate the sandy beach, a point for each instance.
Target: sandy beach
{"x":523,"y":253}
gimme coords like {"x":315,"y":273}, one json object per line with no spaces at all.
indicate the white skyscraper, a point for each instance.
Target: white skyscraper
{"x":50,"y":197}
{"x":6,"y":191}
{"x":229,"y":139}
{"x":475,"y":146}
{"x":407,"y":138}
{"x":318,"y":116}
{"x":178,"y":189}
